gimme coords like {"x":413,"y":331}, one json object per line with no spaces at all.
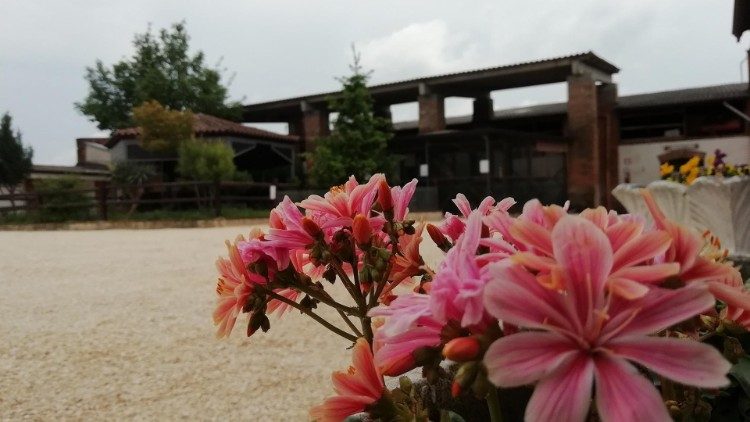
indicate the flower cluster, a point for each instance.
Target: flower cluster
{"x":588,"y":315}
{"x":692,"y":169}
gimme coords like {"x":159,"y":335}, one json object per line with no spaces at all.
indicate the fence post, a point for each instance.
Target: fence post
{"x":102,"y":194}
{"x":217,"y":199}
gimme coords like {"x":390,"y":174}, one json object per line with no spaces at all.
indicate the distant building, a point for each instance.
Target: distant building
{"x":577,"y":150}
{"x":267,"y":156}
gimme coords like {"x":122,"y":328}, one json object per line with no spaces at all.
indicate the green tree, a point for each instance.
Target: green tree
{"x":15,"y":160}
{"x":131,"y":176}
{"x":359,"y":139}
{"x":162,"y":129}
{"x":63,"y":198}
{"x":206,"y":160}
{"x":161,"y":69}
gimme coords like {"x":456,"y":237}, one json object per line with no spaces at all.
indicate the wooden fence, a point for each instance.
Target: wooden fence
{"x":106,"y":197}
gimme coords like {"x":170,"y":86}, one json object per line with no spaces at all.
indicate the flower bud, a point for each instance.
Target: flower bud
{"x":384,"y":196}
{"x":438,"y":237}
{"x":312,"y":228}
{"x":455,"y":389}
{"x":361,"y":230}
{"x":462,"y":349}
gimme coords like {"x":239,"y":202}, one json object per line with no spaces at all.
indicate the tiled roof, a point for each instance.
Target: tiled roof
{"x":205,"y":125}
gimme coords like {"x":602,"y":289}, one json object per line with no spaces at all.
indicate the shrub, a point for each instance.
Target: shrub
{"x":63,"y":199}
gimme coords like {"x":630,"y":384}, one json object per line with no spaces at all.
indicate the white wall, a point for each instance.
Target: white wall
{"x":642,"y":160}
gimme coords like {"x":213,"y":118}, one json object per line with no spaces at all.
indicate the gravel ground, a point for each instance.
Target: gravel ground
{"x":117,"y":324}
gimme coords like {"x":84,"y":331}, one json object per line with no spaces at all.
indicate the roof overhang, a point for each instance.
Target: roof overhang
{"x":463,"y":84}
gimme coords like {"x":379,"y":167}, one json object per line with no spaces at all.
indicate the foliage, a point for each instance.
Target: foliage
{"x":15,"y":160}
{"x":541,"y":316}
{"x":162,"y":129}
{"x":161,"y":69}
{"x":63,"y":199}
{"x":206,"y":160}
{"x":131,"y":176}
{"x":693,"y":168}
{"x":358,"y":143}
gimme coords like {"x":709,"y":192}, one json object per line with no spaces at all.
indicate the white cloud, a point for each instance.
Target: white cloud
{"x":419,"y":49}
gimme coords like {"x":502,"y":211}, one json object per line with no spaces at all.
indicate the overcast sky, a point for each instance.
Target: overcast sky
{"x":277,"y":49}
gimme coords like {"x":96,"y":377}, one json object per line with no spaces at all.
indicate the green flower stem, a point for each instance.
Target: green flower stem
{"x":312,"y":315}
{"x":493,"y":402}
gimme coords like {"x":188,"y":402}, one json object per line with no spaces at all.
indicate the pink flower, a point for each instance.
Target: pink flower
{"x":339,"y":206}
{"x":632,"y":269}
{"x":233,"y":288}
{"x":357,"y":388}
{"x":453,"y":226}
{"x":457,"y":289}
{"x":290,"y":233}
{"x":723,"y":280}
{"x":409,"y":326}
{"x":407,"y":264}
{"x":401,"y":196}
{"x":584,"y":336}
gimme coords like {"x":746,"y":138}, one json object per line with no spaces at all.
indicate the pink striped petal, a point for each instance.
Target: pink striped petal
{"x":514,"y":296}
{"x":565,"y":396}
{"x":532,"y":235}
{"x":706,"y":270}
{"x":338,"y":408}
{"x":735,"y":296}
{"x":622,"y":394}
{"x":585,"y":256}
{"x":597,"y":215}
{"x":623,"y":231}
{"x":524,"y":358}
{"x":655,"y":273}
{"x":627,"y":289}
{"x":685,"y":361}
{"x":462,"y":204}
{"x":533,"y":261}
{"x":662,"y":308}
{"x":641,"y":248}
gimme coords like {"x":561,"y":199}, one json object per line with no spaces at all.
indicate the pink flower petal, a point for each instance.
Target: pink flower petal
{"x":622,"y":394}
{"x":641,"y":248}
{"x":524,"y":358}
{"x":655,"y":273}
{"x":565,"y":396}
{"x":513,"y":295}
{"x":338,"y":408}
{"x":623,"y":231}
{"x":585,"y":256}
{"x":735,"y":296}
{"x":627,"y":289}
{"x":685,"y":361}
{"x":532,"y":235}
{"x":707,"y":270}
{"x":662,"y":308}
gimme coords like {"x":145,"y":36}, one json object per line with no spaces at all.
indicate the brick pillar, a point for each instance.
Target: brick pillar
{"x":431,"y":113}
{"x":80,"y":152}
{"x":483,"y":109}
{"x":609,"y":141}
{"x":583,"y":168}
{"x":314,"y":126}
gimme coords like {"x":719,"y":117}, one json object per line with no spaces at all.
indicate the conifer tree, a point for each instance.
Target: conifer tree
{"x":15,"y":159}
{"x":358,"y":142}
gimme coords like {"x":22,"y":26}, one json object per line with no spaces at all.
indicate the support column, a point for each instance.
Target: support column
{"x":609,"y":141}
{"x":314,"y":125}
{"x":583,"y":167}
{"x":431,"y":110}
{"x":483,"y":109}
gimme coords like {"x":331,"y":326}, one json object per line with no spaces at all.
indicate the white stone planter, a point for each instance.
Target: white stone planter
{"x":717,"y":204}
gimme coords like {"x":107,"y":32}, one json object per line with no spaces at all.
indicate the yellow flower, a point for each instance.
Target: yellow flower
{"x":691,"y":164}
{"x":666,"y":169}
{"x":692,"y":175}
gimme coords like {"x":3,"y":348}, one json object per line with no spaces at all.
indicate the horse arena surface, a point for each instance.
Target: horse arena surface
{"x":117,"y":324}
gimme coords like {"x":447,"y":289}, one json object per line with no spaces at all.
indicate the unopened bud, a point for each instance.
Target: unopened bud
{"x":312,"y":228}
{"x":455,"y":389}
{"x":438,"y":237}
{"x":462,"y":349}
{"x":361,"y":230}
{"x":405,"y":384}
{"x":384,"y":196}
